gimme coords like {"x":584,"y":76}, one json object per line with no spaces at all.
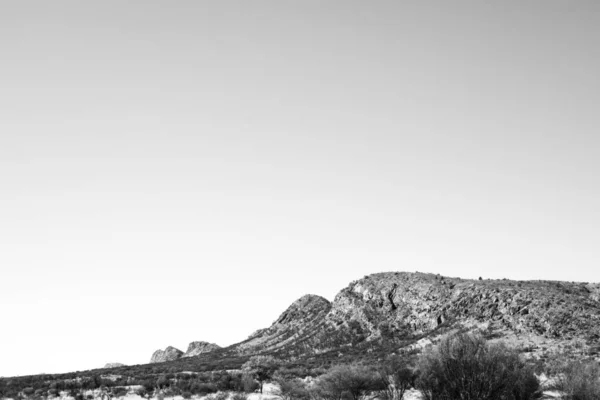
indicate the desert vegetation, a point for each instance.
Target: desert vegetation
{"x":460,"y":367}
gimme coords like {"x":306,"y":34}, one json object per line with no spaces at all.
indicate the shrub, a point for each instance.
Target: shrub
{"x":249,"y":384}
{"x":291,"y":389}
{"x":203,"y":388}
{"x":218,"y":396}
{"x":351,"y":381}
{"x":261,"y":368}
{"x":119,"y":391}
{"x":397,"y":376}
{"x":186,"y":395}
{"x":465,"y":367}
{"x":579,"y":380}
{"x":239,"y":396}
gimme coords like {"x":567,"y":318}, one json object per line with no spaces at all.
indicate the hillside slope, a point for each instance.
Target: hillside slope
{"x":393,"y":310}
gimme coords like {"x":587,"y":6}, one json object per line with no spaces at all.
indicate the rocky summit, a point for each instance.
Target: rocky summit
{"x":168,"y":354}
{"x":172,"y":354}
{"x":400,"y":311}
{"x":197,"y":348}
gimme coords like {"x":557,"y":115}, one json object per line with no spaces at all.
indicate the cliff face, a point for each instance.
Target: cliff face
{"x":398,"y":303}
{"x":397,"y":308}
{"x":300,"y":320}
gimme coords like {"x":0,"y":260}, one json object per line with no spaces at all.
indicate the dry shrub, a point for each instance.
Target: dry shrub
{"x":465,"y":367}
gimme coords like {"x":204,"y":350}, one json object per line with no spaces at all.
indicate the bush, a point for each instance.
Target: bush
{"x":203,"y":388}
{"x":239,"y":396}
{"x":291,"y":389}
{"x":249,"y":384}
{"x":119,"y":391}
{"x":218,"y":396}
{"x":580,"y":380}
{"x":186,"y":395}
{"x":397,"y":376}
{"x":464,"y":367}
{"x":348,"y":381}
{"x":261,"y":368}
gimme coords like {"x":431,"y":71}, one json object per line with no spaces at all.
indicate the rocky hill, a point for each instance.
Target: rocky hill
{"x":168,"y":354}
{"x":395,"y":312}
{"x":197,"y":348}
{"x":300,"y":321}
{"x":172,"y":354}
{"x":398,"y":310}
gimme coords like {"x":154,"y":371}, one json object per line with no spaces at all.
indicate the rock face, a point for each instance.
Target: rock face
{"x":197,"y":348}
{"x":194,"y":349}
{"x":300,"y":321}
{"x":114,"y":365}
{"x":169,"y":354}
{"x":394,"y":310}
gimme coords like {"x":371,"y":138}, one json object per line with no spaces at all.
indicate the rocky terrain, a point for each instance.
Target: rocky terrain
{"x":383,"y":314}
{"x":397,"y":310}
{"x":194,"y":349}
{"x":168,"y":354}
{"x":197,"y":348}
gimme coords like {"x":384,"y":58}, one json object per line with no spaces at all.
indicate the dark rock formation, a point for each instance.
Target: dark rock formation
{"x":169,"y":354}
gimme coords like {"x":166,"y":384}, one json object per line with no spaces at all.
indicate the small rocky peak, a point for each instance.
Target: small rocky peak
{"x":168,"y":354}
{"x":197,"y":348}
{"x":114,"y":365}
{"x":305,"y":308}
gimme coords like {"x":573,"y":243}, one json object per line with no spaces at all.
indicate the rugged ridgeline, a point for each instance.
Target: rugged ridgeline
{"x":399,"y":311}
{"x":172,"y":354}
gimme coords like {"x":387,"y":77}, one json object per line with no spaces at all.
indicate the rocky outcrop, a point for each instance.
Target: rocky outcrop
{"x":301,"y":319}
{"x":169,"y":354}
{"x":395,"y":310}
{"x":114,"y":365}
{"x":197,"y":348}
{"x":402,"y":311}
{"x":397,"y":304}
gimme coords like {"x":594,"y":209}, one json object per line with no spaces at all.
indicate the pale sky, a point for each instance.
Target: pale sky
{"x":180,"y":171}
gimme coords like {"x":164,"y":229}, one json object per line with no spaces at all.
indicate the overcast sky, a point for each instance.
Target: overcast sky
{"x":179,"y":171}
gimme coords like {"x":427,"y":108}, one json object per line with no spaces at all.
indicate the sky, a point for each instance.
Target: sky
{"x":181,"y":171}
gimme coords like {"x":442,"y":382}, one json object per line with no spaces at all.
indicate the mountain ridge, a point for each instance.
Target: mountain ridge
{"x":396,"y":309}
